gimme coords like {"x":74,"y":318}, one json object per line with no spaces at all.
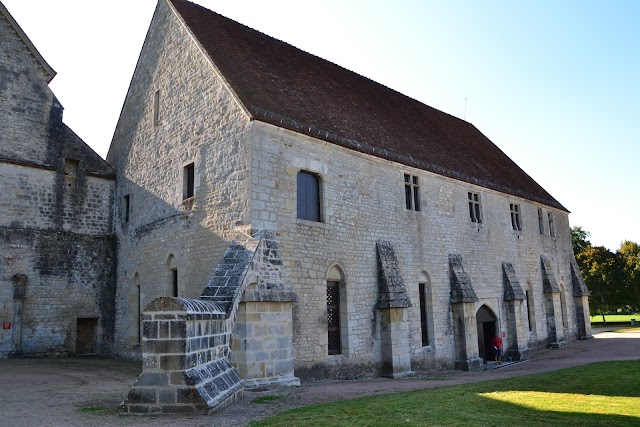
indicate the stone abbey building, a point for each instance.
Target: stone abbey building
{"x":266,"y":215}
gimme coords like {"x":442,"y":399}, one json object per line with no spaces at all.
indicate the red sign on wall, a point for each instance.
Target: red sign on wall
{"x":6,"y":325}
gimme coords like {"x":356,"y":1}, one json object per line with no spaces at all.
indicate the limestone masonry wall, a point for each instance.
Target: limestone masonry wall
{"x":362,"y":202}
{"x":165,"y":232}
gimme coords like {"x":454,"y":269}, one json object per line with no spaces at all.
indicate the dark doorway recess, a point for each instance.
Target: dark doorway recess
{"x":486,"y":331}
{"x":87,"y":336}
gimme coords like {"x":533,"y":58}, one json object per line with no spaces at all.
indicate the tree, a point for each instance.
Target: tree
{"x":579,"y":238}
{"x":629,"y":261}
{"x":599,"y":270}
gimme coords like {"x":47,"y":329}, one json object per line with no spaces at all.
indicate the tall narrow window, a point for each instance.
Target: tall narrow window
{"x":552,"y":230}
{"x":174,"y":277}
{"x":125,"y":208}
{"x":308,"y":193}
{"x":333,"y":317}
{"x":515,"y":217}
{"x":139,"y":314}
{"x":529,"y":310}
{"x":423,"y":314}
{"x":156,"y":108}
{"x":188,"y":176}
{"x":540,"y":221}
{"x":474,"y":207}
{"x":411,"y":192}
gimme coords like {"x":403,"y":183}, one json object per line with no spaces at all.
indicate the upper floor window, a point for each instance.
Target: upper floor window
{"x":308,"y":196}
{"x":188,"y":177}
{"x":552,"y":230}
{"x":515,"y":217}
{"x":411,"y":192}
{"x":156,"y":107}
{"x":540,"y":221}
{"x":474,"y":207}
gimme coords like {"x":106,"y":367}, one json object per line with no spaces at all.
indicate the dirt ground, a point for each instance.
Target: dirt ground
{"x":84,"y":391}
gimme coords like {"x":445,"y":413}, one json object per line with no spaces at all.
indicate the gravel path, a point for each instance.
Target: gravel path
{"x":61,"y":392}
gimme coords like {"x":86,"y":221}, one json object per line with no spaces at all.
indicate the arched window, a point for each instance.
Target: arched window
{"x":426,"y":311}
{"x":336,"y":312}
{"x":308,"y":196}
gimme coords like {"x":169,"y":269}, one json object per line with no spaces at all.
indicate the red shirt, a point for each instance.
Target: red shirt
{"x":496,"y":342}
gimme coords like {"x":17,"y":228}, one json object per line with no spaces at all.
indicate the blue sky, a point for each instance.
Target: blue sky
{"x":555,"y":84}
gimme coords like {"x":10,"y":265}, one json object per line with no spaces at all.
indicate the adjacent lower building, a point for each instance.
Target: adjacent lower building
{"x":57,"y":246}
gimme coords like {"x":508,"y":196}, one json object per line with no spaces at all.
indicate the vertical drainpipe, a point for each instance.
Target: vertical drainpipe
{"x":19,"y":293}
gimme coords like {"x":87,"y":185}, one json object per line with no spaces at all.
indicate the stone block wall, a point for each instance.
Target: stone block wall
{"x":199,"y":122}
{"x":185,"y":354}
{"x":187,"y":343}
{"x":362,"y":202}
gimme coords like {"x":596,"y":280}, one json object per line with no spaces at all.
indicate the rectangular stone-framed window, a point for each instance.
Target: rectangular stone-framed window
{"x":126,"y":206}
{"x":188,"y":180}
{"x":156,"y":107}
{"x":308,"y":196}
{"x":474,"y":207}
{"x":516,"y":221}
{"x":411,"y":192}
{"x":540,"y":221}
{"x":552,"y":230}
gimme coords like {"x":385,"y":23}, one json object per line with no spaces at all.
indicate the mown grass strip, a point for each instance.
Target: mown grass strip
{"x":592,"y":395}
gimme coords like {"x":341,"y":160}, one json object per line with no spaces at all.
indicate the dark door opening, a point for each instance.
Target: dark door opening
{"x":486,"y":331}
{"x":87,"y":336}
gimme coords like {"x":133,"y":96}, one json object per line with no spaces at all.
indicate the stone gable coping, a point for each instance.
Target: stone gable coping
{"x":461,"y":287}
{"x":391,"y":289}
{"x":579,"y":286}
{"x":512,"y":289}
{"x":549,"y":283}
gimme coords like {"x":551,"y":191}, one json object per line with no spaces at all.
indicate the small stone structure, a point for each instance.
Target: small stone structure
{"x":187,"y":361}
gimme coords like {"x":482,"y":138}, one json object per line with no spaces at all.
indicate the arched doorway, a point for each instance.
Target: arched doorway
{"x":486,"y":331}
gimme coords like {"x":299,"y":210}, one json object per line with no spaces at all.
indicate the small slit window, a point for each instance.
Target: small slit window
{"x":188,"y":177}
{"x":156,"y":108}
{"x":125,"y":208}
{"x":411,"y":192}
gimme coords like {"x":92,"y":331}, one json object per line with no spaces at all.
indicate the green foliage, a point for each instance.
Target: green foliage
{"x":599,"y":270}
{"x":579,"y":238}
{"x":591,"y":395}
{"x":612,"y":278}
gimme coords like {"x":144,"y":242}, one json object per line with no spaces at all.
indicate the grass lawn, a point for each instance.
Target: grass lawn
{"x":615,"y":318}
{"x":600,"y":394}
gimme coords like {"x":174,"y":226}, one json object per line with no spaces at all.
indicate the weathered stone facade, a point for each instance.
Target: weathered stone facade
{"x":57,"y":251}
{"x":408,"y":266}
{"x":478,"y":277}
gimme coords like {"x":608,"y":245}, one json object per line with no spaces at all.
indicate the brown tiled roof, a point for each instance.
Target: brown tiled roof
{"x":290,"y":88}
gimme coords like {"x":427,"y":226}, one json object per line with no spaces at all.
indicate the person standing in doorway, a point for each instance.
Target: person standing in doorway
{"x":496,"y":342}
